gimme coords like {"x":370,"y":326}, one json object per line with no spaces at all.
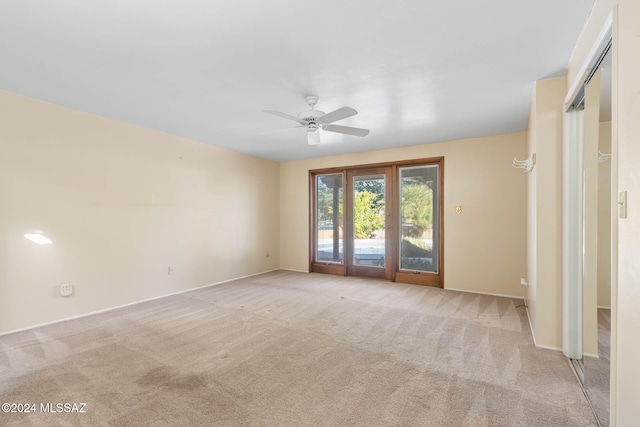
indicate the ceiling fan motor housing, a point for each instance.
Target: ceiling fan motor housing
{"x":311,"y":116}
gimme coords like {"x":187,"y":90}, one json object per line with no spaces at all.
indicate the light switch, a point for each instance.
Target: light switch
{"x":622,"y":204}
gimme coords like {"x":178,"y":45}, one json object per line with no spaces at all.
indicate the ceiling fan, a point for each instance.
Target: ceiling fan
{"x":314,"y":120}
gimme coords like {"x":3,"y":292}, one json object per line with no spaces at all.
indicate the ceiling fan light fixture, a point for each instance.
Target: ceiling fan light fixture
{"x":313,"y":135}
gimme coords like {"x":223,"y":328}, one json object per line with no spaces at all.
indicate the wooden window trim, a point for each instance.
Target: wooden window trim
{"x":314,"y":266}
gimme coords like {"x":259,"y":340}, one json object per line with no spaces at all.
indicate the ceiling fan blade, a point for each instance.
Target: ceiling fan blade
{"x":285,"y":116}
{"x":347,"y":130}
{"x":339,"y":114}
{"x":279,"y":131}
{"x":313,"y":137}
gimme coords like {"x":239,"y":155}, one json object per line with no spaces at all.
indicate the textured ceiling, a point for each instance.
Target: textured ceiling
{"x":417,"y":71}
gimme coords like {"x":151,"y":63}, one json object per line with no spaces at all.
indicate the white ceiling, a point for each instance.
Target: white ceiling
{"x":417,"y":71}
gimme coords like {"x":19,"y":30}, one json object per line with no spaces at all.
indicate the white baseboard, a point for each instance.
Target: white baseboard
{"x":533,"y":333}
{"x":548,"y":347}
{"x":484,"y":293}
{"x":104,"y":310}
{"x":294,"y":270}
{"x":595,"y":356}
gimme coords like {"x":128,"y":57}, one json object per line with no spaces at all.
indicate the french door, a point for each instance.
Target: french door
{"x":382,"y":221}
{"x":369,"y":223}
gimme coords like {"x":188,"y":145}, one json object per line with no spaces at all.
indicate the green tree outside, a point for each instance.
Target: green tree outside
{"x":367,"y":216}
{"x":417,"y":206}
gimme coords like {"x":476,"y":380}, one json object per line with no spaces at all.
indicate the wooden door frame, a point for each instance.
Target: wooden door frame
{"x":397,"y":275}
{"x":315,"y":266}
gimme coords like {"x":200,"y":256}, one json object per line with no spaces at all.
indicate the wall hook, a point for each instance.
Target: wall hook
{"x":603,"y":157}
{"x":527,"y":164}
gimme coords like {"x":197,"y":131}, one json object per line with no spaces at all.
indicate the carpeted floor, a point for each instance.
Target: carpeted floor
{"x":295,"y":349}
{"x":597,"y":371}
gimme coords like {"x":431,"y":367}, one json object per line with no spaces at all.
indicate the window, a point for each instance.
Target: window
{"x":329,"y":213}
{"x":419,"y":218}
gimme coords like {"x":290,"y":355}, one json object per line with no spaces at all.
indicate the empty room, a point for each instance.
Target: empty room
{"x":345,"y":214}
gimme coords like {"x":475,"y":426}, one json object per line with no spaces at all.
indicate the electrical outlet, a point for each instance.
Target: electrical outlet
{"x":66,"y":290}
{"x":523,"y":281}
{"x":170,"y":271}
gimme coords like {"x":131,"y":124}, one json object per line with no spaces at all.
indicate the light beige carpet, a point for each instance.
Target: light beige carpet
{"x":295,"y":349}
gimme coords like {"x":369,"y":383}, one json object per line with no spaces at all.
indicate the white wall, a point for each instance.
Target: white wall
{"x":121,"y":204}
{"x":544,"y":213}
{"x":626,"y":123}
{"x":484,"y":247}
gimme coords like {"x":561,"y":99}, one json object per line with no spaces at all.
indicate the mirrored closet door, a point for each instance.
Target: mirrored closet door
{"x":596,"y":315}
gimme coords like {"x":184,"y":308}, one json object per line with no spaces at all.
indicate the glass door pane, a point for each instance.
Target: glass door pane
{"x":419,"y":218}
{"x":329,"y":223}
{"x":369,"y":221}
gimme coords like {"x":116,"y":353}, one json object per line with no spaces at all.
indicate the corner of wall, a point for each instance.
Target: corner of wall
{"x":531,"y":264}
{"x":544,"y":213}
